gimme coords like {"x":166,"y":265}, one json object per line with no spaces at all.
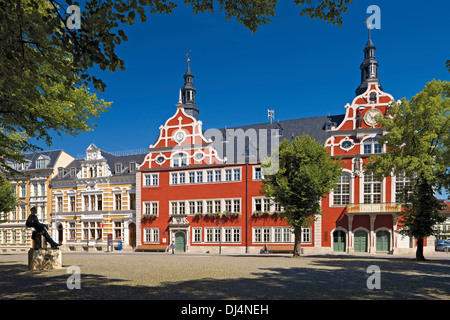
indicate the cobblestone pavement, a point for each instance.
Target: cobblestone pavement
{"x":129,"y":275}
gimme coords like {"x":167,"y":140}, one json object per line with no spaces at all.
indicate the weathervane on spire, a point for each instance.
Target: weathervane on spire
{"x":187,"y":56}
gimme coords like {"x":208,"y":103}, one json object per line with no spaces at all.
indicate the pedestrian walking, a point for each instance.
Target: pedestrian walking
{"x":173,"y":247}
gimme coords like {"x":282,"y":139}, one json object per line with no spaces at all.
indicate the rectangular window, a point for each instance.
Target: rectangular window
{"x":72,"y":231}
{"x":191,"y":207}
{"x":174,"y":178}
{"x":72,"y":203}
{"x":99,"y":202}
{"x":147,"y":208}
{"x":372,"y":189}
{"x":228,"y":175}
{"x":237,"y":205}
{"x":148,"y":180}
{"x":23,"y":191}
{"x":118,"y":168}
{"x":182,"y":178}
{"x":257,"y":171}
{"x":209,"y":206}
{"x":174,"y":206}
{"x":200,"y":206}
{"x":199,"y":176}
{"x":228,"y":205}
{"x":237,"y":174}
{"x":197,"y":234}
{"x":306,"y":234}
{"x":236,"y":235}
{"x":209,"y":176}
{"x":155,"y":179}
{"x":59,"y":205}
{"x":217,"y":206}
{"x":277,"y":235}
{"x":341,"y":192}
{"x":287,"y":234}
{"x":117,"y":230}
{"x":132,"y":166}
{"x":181,"y":207}
{"x":191,"y":177}
{"x":152,"y":235}
{"x":132,"y":198}
{"x":73,"y":172}
{"x":155,"y":208}
{"x":258,"y":205}
{"x":209,"y":234}
{"x":118,"y":201}
{"x":218,"y":175}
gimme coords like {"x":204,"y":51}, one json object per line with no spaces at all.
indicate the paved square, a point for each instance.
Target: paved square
{"x":130,"y":275}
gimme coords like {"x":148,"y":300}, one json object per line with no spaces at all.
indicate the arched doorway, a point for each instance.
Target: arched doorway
{"x":132,"y":234}
{"x":60,"y":233}
{"x":180,"y":241}
{"x":339,"y":238}
{"x":360,"y":241}
{"x":383,"y":241}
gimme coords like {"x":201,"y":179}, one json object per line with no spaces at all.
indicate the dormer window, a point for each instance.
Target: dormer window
{"x":60,"y":172}
{"x":179,"y":160}
{"x":40,"y":164}
{"x":73,"y":172}
{"x":132,"y":166}
{"x":118,"y":168}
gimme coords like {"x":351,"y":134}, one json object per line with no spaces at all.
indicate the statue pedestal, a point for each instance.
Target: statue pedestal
{"x":44,"y":259}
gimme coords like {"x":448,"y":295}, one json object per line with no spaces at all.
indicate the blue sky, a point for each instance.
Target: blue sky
{"x":297,"y":66}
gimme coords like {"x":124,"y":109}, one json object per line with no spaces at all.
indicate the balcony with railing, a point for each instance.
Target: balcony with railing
{"x":386,"y":207}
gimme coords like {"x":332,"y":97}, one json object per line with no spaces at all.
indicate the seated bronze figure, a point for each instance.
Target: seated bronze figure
{"x":40,"y":229}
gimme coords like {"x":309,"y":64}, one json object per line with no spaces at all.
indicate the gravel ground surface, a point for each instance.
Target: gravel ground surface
{"x":155,"y":276}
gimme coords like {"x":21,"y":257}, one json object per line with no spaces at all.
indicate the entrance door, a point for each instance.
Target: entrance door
{"x":360,"y":241}
{"x":60,"y":233}
{"x":180,"y":241}
{"x":132,"y":234}
{"x":383,"y":241}
{"x":339,"y":241}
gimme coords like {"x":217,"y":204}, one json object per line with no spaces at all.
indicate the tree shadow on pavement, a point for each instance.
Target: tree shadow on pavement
{"x":323,"y":278}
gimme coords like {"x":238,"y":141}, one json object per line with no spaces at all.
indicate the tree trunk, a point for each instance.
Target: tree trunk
{"x":298,"y":243}
{"x":419,"y":251}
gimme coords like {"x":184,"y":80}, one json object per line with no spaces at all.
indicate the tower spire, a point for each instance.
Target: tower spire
{"x":369,"y":66}
{"x":188,"y":92}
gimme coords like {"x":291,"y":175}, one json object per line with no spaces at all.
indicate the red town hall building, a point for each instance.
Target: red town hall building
{"x":201,"y":190}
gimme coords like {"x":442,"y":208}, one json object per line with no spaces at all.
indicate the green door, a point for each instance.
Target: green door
{"x":180,"y":241}
{"x":360,"y":241}
{"x":339,"y":241}
{"x":383,"y":241}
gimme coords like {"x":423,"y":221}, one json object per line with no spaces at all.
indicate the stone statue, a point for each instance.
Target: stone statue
{"x":39,"y":230}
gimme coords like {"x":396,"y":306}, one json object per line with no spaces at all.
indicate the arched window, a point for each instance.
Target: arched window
{"x":341,"y":192}
{"x":371,"y":145}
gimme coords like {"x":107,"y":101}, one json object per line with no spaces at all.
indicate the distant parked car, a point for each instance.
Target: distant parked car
{"x":443,"y":246}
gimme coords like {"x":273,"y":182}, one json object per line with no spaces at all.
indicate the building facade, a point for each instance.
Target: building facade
{"x":33,"y":189}
{"x":195,"y":191}
{"x":93,"y":200}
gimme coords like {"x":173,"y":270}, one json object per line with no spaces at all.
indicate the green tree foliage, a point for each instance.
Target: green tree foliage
{"x":7,"y":197}
{"x":306,"y":174}
{"x":418,"y":140}
{"x":47,"y":67}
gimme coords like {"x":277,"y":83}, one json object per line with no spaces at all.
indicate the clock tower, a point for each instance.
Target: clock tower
{"x":369,"y":68}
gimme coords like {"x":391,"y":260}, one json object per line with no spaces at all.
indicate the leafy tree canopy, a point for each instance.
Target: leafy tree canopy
{"x":47,"y":67}
{"x":306,"y":174}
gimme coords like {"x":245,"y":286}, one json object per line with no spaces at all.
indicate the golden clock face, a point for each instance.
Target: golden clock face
{"x":370,"y":117}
